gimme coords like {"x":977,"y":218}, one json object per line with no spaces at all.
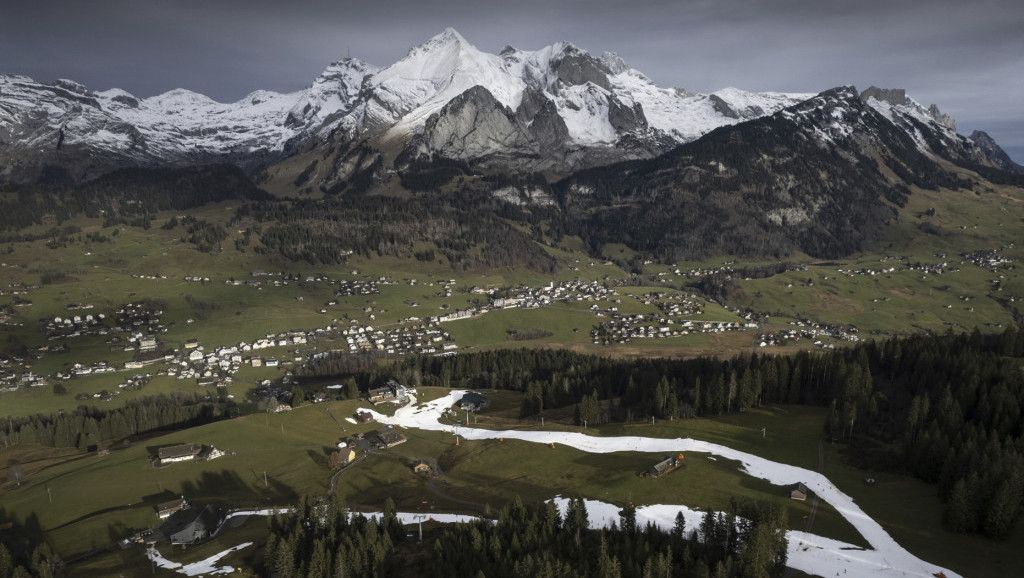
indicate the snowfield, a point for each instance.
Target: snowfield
{"x":807,"y":552}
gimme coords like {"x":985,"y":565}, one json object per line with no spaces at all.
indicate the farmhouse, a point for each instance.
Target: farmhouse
{"x":165,"y":509}
{"x":178,"y":453}
{"x":380,"y":394}
{"x":473,"y":401}
{"x":390,"y":439}
{"x":798,"y":491}
{"x":665,"y":466}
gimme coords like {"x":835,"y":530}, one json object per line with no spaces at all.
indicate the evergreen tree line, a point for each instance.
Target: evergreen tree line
{"x":535,"y":540}
{"x":949,"y":409}
{"x":43,"y":562}
{"x":320,"y":540}
{"x":470,"y":232}
{"x":87,"y":426}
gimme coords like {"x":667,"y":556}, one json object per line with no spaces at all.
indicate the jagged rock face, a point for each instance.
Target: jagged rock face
{"x":942,"y":118}
{"x":723,"y":107}
{"x":894,"y":96}
{"x":626,"y":118}
{"x":577,"y":67}
{"x":994,"y":152}
{"x":548,"y":129}
{"x":474,"y":125}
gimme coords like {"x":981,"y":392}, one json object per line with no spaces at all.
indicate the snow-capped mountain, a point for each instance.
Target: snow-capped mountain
{"x":823,"y":177}
{"x":583,"y":102}
{"x":557,"y":109}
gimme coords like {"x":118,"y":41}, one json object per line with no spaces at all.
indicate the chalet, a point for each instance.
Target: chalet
{"x":390,"y":439}
{"x":165,"y":509}
{"x":473,"y":401}
{"x":421,"y":467}
{"x":178,"y":453}
{"x":198,"y":528}
{"x":798,"y":491}
{"x":665,"y":466}
{"x":380,"y":394}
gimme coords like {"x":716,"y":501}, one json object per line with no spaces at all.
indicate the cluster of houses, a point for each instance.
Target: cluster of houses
{"x":820,"y":334}
{"x":674,"y":304}
{"x":532,"y":297}
{"x":417,"y":338}
{"x":624,"y":328}
{"x":904,"y":266}
{"x":360,"y":287}
{"x":990,"y":259}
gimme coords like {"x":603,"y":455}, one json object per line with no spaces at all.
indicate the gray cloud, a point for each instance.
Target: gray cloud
{"x":964,"y":56}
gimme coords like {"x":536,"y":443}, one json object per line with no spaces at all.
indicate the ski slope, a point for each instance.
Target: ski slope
{"x":807,"y":552}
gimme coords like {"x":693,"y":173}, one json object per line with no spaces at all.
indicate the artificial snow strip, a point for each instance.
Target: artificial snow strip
{"x":807,"y":552}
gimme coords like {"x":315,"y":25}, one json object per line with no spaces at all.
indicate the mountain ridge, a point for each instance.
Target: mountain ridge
{"x":99,"y":131}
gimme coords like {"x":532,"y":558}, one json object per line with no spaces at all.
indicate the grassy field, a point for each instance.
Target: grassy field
{"x":291,"y":448}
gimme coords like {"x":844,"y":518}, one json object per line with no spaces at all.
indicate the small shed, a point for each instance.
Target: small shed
{"x":665,"y":466}
{"x":364,"y":417}
{"x":798,"y":491}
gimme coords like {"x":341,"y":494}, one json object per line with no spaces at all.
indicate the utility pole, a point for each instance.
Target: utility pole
{"x":50,"y":495}
{"x":419,"y":519}
{"x":265,"y":483}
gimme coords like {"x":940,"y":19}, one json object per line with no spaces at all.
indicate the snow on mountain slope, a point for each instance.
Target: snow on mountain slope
{"x":686,"y":117}
{"x":577,"y":109}
{"x":334,"y":92}
{"x":432,"y":74}
{"x":181,"y":120}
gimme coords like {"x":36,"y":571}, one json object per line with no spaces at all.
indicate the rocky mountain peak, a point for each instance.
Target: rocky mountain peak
{"x":614,"y":63}
{"x":994,"y":152}
{"x":894,"y":96}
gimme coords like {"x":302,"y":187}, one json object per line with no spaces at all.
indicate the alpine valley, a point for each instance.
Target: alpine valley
{"x":815,"y":295}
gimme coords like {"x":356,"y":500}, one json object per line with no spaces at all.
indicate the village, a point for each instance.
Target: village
{"x":137,"y":327}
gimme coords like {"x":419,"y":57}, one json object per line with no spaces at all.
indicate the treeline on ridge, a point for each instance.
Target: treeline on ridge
{"x":86,"y":427}
{"x":129,"y":196}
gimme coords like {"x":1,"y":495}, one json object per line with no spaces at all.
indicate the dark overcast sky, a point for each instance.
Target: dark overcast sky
{"x":967,"y":56}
